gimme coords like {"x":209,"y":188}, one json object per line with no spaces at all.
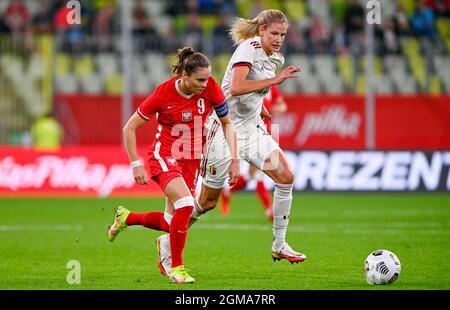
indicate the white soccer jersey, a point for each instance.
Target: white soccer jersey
{"x":245,"y":110}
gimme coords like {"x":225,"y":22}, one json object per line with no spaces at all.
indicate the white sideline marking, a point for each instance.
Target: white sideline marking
{"x":50,"y":227}
{"x":427,"y":228}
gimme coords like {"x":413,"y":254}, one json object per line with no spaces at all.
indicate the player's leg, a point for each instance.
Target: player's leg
{"x":179,"y":194}
{"x":261,"y":191}
{"x":214,"y":171}
{"x":190,"y":175}
{"x":163,"y":243}
{"x":153,"y":220}
{"x":266,"y":155}
{"x":277,"y":167}
{"x":240,"y":184}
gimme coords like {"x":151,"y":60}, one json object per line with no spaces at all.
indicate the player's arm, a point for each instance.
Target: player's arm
{"x":240,"y":85}
{"x":231,"y":137}
{"x":129,"y":140}
{"x":265,"y":115}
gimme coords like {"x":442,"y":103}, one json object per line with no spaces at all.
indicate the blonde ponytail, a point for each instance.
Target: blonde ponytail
{"x":243,"y":29}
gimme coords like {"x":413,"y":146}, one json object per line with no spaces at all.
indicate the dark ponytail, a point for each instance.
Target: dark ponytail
{"x":189,"y":61}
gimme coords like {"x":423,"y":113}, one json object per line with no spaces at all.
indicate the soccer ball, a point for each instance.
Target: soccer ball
{"x":382,"y":267}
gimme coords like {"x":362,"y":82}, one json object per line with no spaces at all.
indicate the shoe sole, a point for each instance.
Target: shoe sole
{"x":176,"y":282}
{"x":292,"y":260}
{"x":160,"y":266}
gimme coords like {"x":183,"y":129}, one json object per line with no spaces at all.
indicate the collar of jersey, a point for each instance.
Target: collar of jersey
{"x":180,"y":92}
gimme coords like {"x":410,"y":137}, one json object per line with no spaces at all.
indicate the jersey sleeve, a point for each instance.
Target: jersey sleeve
{"x":215,"y":93}
{"x":150,"y":106}
{"x":245,"y":54}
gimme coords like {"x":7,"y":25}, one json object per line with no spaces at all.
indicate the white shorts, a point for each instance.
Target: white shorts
{"x":255,"y":146}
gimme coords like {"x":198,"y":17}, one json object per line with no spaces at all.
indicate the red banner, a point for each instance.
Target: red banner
{"x":90,"y":171}
{"x":322,"y":122}
{"x":312,"y":122}
{"x":413,"y":123}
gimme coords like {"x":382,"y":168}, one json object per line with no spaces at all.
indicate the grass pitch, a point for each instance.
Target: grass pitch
{"x":38,"y":236}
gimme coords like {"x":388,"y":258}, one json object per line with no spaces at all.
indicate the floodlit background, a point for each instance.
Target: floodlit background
{"x":367,"y":127}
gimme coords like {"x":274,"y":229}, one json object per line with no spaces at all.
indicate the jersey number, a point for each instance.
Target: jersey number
{"x":201,"y":105}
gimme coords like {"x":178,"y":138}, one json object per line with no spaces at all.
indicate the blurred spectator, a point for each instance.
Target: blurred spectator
{"x":295,"y":40}
{"x":423,"y":21}
{"x":401,"y":22}
{"x":16,"y":17}
{"x":221,"y":40}
{"x":354,"y":27}
{"x":320,"y":35}
{"x":354,"y":18}
{"x":340,"y":40}
{"x":389,"y":38}
{"x":193,"y":34}
{"x":175,"y":7}
{"x":207,"y":6}
{"x":103,"y":28}
{"x":42,"y":20}
{"x":146,"y":35}
{"x":256,"y":8}
{"x":47,"y":133}
{"x":440,"y":7}
{"x":4,"y":28}
{"x":227,"y":7}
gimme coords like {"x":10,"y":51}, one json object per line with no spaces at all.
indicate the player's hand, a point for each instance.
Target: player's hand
{"x":234,"y":171}
{"x":265,"y":115}
{"x":140,"y":175}
{"x":287,"y":73}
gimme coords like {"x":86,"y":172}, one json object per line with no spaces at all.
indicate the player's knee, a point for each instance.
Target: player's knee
{"x":287,"y":177}
{"x":184,"y":202}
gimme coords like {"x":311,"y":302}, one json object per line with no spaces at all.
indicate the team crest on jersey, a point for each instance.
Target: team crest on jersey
{"x":171,"y":161}
{"x":187,"y":116}
{"x":212,"y":170}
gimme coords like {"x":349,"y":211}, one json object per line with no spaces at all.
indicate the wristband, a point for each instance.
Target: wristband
{"x":135,"y":164}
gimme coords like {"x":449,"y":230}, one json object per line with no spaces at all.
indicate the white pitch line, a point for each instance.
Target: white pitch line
{"x":47,"y":227}
{"x":427,"y":228}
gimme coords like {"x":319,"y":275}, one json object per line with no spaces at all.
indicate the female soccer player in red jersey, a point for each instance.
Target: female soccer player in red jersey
{"x":182,"y":105}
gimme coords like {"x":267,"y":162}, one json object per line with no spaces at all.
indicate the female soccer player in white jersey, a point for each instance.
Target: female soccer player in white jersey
{"x":248,"y":78}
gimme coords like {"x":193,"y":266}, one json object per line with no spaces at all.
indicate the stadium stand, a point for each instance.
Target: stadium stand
{"x":44,"y":55}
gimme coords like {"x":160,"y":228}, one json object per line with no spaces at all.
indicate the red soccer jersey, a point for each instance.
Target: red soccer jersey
{"x":181,"y":118}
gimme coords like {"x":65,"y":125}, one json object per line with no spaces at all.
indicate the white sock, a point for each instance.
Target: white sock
{"x":168,"y":217}
{"x":282,"y":201}
{"x":196,"y":213}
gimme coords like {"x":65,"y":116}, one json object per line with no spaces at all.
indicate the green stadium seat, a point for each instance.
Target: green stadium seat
{"x":435,"y":85}
{"x":295,"y":9}
{"x":84,"y":65}
{"x":114,"y":84}
{"x":208,"y":23}
{"x":346,"y":70}
{"x":407,"y":5}
{"x":63,"y":64}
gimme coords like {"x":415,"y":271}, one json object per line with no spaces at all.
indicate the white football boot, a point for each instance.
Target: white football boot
{"x":286,"y":252}
{"x":164,"y":257}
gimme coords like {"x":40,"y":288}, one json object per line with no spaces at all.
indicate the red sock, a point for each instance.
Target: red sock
{"x":240,"y":184}
{"x":263,"y":194}
{"x":153,"y":220}
{"x":178,"y":233}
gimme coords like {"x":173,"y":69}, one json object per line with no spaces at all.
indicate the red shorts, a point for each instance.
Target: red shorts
{"x":166,"y":168}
